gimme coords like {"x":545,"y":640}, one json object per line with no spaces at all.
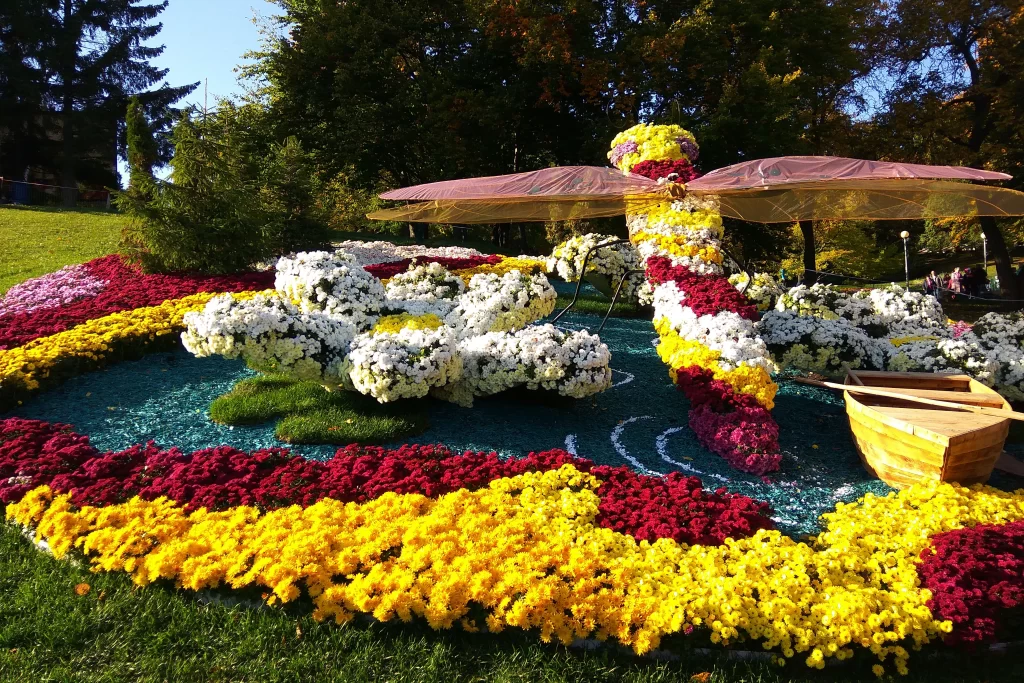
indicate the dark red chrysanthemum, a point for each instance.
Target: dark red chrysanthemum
{"x":976,"y":577}
{"x":34,"y":453}
{"x":655,"y":170}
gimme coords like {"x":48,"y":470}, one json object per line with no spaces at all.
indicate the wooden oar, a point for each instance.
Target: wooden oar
{"x":872,"y":391}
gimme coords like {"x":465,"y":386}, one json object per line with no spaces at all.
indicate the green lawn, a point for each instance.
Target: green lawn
{"x":34,"y":241}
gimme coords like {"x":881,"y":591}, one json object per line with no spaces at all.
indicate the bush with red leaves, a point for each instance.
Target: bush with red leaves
{"x":976,"y":577}
{"x":127,"y":288}
{"x":34,"y":453}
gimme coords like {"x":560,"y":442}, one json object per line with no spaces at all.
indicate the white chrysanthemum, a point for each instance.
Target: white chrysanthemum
{"x":613,"y":261}
{"x":404,"y":364}
{"x":369,"y":253}
{"x":878,"y":310}
{"x":946,"y":355}
{"x":429,"y":288}
{"x":814,"y":344}
{"x":995,"y":329}
{"x":538,"y":357}
{"x":270,"y":334}
{"x":331,"y":283}
{"x":818,"y":300}
{"x":503,"y":303}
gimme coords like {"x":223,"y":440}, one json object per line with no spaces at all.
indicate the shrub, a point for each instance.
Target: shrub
{"x":238,"y":197}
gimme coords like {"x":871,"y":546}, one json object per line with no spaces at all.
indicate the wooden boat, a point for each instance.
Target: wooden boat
{"x":905,"y":443}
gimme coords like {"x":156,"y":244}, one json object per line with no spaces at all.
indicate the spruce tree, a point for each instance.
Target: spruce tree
{"x":93,"y":57}
{"x":23,"y":86}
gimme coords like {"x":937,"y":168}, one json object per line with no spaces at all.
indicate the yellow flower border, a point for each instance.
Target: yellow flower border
{"x":89,"y":343}
{"x":527,"y":550}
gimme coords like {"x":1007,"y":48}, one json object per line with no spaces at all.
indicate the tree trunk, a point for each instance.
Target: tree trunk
{"x":810,"y":267}
{"x":1008,"y":285}
{"x":68,"y":180}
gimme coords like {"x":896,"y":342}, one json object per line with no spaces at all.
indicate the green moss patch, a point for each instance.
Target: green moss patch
{"x":308,"y":413}
{"x":597,"y":304}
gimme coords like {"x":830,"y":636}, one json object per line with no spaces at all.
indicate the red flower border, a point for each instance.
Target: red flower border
{"x":34,"y":453}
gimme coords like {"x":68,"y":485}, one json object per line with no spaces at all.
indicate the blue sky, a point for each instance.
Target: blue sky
{"x":205,"y":39}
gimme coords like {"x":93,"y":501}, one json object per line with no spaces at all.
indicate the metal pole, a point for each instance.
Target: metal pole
{"x":906,"y":264}
{"x":906,"y":260}
{"x":984,"y":251}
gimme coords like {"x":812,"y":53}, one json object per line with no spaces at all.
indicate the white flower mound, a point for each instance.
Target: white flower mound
{"x":892,"y":311}
{"x":270,"y":334}
{"x":818,"y":300}
{"x":574,"y":364}
{"x":310,"y":329}
{"x":332,"y":283}
{"x":1001,"y":335}
{"x":369,"y":253}
{"x":405,"y":364}
{"x":813,"y":344}
{"x":430,"y":288}
{"x":946,"y":355}
{"x":998,"y":329}
{"x":613,"y":262}
{"x":501,"y":303}
{"x":894,"y":329}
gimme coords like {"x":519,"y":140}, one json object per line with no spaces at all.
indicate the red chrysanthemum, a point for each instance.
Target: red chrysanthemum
{"x":34,"y":453}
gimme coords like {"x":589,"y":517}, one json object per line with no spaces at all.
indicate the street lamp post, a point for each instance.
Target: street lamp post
{"x":906,"y":259}
{"x":984,"y":251}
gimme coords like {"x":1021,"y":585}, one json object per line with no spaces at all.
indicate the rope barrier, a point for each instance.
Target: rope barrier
{"x":953,"y":293}
{"x":849,"y":277}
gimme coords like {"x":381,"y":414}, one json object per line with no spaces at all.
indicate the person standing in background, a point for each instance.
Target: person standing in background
{"x":936,"y":286}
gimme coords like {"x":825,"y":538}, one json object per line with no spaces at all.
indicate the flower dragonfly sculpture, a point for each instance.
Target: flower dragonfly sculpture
{"x":707,"y":332}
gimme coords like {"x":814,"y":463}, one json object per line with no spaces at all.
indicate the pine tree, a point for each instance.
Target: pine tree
{"x":22,"y":88}
{"x":92,"y":57}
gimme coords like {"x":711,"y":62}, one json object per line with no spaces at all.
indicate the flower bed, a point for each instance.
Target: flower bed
{"x":550,"y":541}
{"x":822,"y":329}
{"x":547,"y":542}
{"x":34,"y":453}
{"x":306,"y":328}
{"x":90,"y":345}
{"x":126,"y":288}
